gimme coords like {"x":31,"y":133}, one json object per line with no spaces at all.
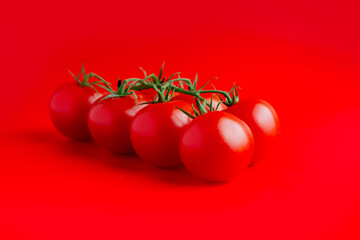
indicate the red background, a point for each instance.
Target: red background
{"x":302,"y":57}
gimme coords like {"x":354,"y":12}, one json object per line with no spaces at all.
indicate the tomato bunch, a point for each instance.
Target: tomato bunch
{"x":168,"y":122}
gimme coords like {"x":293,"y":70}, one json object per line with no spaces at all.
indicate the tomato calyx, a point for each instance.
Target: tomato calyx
{"x":86,"y":77}
{"x":162,"y":85}
{"x":165,"y":88}
{"x":231,"y":97}
{"x":123,"y":89}
{"x":201,"y":102}
{"x":200,"y":106}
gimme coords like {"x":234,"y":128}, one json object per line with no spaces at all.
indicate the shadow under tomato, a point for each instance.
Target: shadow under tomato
{"x":175,"y":175}
{"x":83,"y":152}
{"x":109,"y":172}
{"x":88,"y":151}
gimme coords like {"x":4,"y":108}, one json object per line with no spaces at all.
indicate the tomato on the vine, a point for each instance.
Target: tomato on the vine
{"x":263,"y":121}
{"x":156,"y":130}
{"x":69,"y":108}
{"x":110,"y":119}
{"x":216,"y":146}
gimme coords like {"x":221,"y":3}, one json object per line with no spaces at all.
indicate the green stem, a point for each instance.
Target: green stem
{"x":154,"y":78}
{"x":140,"y":87}
{"x":186,"y":80}
{"x":187,"y":92}
{"x":225,"y":94}
{"x":103,"y":81}
{"x":121,"y":89}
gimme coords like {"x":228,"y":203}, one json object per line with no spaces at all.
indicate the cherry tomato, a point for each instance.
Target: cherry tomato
{"x":156,"y":131}
{"x":263,"y":121}
{"x":216,"y":146}
{"x":69,"y":108}
{"x":110,"y":119}
{"x":190,"y":99}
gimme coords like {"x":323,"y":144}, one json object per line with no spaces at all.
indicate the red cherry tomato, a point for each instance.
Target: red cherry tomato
{"x":190,"y":99}
{"x":69,"y":108}
{"x":263,"y":121}
{"x":156,"y":131}
{"x":110,"y":119}
{"x":216,"y":146}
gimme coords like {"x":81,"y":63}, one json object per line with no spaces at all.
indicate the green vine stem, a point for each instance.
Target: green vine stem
{"x":161,"y":87}
{"x":229,"y":100}
{"x":164,"y":87}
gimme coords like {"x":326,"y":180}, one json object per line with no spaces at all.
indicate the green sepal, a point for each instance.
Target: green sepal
{"x":235,"y":93}
{"x":217,"y":93}
{"x":195,"y":112}
{"x":143,"y":71}
{"x":195,"y":81}
{"x":136,"y":97}
{"x":106,"y":88}
{"x":172,"y":75}
{"x":168,"y":92}
{"x":145,"y":103}
{"x":218,"y":105}
{"x":91,"y":85}
{"x":211,"y":103}
{"x":76,"y":78}
{"x":109,"y":96}
{"x":187,"y":113}
{"x":200,"y":106}
{"x":160,"y":93}
{"x":118,"y":85}
{"x":161,"y":72}
{"x":204,"y":85}
{"x":128,"y":88}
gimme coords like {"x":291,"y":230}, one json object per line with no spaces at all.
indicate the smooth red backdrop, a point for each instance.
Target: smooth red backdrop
{"x":302,"y":57}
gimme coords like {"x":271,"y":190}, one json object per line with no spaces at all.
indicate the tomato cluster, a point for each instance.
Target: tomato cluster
{"x":168,"y":122}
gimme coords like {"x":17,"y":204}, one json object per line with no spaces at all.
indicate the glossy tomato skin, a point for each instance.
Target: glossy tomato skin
{"x":263,"y":121}
{"x":150,"y":93}
{"x":69,"y":108}
{"x":109,"y":122}
{"x":156,"y":131}
{"x":190,"y":99}
{"x":216,"y":146}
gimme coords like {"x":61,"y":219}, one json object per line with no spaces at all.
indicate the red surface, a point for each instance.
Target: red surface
{"x":301,"y":57}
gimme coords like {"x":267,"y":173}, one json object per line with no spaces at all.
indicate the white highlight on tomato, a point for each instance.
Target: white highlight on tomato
{"x":264,"y":118}
{"x":94,"y":97}
{"x":179,"y":118}
{"x":233,"y":134}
